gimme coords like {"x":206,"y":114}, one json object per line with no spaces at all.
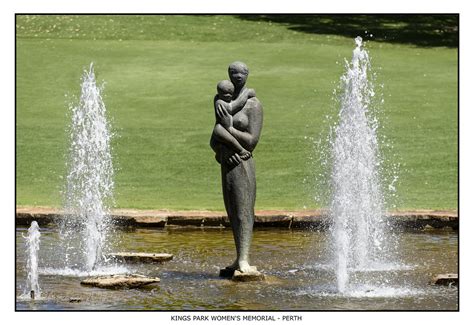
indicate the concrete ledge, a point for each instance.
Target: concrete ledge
{"x":43,"y":219}
{"x":140,"y":221}
{"x":310,"y":222}
{"x":306,"y":219}
{"x":276,"y":220}
{"x":425,"y":219}
{"x":198,"y":221}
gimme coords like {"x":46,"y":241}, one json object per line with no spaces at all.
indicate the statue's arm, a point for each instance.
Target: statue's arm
{"x":239,"y":103}
{"x":223,"y":154}
{"x":249,"y":139}
{"x":222,"y":104}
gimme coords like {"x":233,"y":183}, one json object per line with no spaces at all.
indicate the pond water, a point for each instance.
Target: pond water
{"x":299,"y":273}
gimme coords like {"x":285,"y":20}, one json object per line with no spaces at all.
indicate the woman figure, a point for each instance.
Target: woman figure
{"x":238,"y":175}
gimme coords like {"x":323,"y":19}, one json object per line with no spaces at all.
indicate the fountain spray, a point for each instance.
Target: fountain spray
{"x":32,"y":247}
{"x":89,"y":183}
{"x":357,"y":202}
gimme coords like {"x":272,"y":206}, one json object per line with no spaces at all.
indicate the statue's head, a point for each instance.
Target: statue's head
{"x":238,"y":73}
{"x":225,"y":90}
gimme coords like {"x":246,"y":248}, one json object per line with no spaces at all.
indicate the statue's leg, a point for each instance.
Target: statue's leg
{"x":227,"y":191}
{"x":239,"y":188}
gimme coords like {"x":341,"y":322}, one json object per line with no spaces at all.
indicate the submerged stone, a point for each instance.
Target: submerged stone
{"x":252,"y":275}
{"x":448,"y":279}
{"x":119,"y":281}
{"x":142,"y":257}
{"x":239,"y":276}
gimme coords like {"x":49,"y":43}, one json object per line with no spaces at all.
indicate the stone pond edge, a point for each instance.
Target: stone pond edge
{"x":315,"y":219}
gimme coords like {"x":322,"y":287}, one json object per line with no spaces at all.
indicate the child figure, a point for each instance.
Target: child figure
{"x":225,"y":92}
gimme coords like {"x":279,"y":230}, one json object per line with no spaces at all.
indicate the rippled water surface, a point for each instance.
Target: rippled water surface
{"x":299,"y":273}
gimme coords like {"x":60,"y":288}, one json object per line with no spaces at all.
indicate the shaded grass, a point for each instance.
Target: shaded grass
{"x":416,"y":29}
{"x":159,"y":91}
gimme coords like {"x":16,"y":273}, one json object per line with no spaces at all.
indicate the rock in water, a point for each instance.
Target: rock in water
{"x":252,"y":275}
{"x":142,"y":257}
{"x":119,"y":281}
{"x":239,"y":276}
{"x":446,"y":279}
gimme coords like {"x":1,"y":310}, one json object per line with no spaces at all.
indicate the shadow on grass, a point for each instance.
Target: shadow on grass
{"x":416,"y":29}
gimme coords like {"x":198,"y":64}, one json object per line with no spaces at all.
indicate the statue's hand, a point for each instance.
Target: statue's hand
{"x":219,"y":108}
{"x":223,"y":117}
{"x":233,"y":160}
{"x":251,"y":92}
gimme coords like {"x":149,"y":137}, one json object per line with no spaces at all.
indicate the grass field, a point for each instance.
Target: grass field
{"x":160,"y":74}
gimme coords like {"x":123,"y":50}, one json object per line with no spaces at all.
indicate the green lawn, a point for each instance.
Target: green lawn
{"x":160,"y":74}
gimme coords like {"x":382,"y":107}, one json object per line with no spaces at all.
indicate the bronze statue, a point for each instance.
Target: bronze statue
{"x":239,"y":117}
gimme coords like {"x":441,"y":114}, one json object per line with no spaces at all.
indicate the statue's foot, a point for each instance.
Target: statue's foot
{"x":244,"y":267}
{"x":233,"y":266}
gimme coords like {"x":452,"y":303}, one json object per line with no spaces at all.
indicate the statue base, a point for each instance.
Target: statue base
{"x":236,"y":275}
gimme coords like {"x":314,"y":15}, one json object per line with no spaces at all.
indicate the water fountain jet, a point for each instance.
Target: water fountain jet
{"x":32,"y":247}
{"x":359,"y":237}
{"x":89,"y":183}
